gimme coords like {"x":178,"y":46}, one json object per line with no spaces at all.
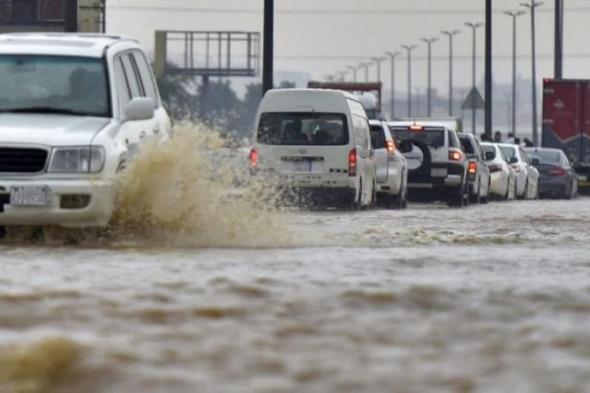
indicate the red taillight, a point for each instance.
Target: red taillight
{"x":416,"y":128}
{"x":455,"y":155}
{"x":253,"y":158}
{"x":494,"y":168}
{"x":390,"y":146}
{"x":557,"y":171}
{"x":472,"y":167}
{"x":352,"y":161}
{"x":516,"y":168}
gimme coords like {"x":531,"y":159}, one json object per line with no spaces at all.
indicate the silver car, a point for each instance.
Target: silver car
{"x":392,"y":167}
{"x":527,"y":176}
{"x":503,"y":177}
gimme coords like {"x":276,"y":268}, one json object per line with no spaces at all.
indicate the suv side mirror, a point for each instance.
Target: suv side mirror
{"x":139,"y":108}
{"x":513,"y":160}
{"x":490,"y":155}
{"x":405,"y":146}
{"x":535,"y":162}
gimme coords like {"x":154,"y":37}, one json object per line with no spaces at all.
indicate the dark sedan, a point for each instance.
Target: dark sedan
{"x":557,"y":177}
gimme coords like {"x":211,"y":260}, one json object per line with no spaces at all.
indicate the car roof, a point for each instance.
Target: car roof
{"x":548,"y":149}
{"x":64,"y":44}
{"x":408,"y":123}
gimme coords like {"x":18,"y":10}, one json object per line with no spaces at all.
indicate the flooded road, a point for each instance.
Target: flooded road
{"x":494,"y":298}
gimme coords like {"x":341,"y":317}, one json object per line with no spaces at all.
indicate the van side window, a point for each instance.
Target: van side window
{"x":453,"y":140}
{"x":133,"y":81}
{"x":146,"y":75}
{"x":360,"y":124}
{"x":123,"y":91}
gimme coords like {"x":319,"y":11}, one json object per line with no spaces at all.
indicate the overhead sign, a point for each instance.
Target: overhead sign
{"x":474,"y":100}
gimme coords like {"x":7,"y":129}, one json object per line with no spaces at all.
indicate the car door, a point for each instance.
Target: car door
{"x":379,"y":144}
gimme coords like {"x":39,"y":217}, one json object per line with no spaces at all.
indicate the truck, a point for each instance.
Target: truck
{"x":566,"y":123}
{"x":372,"y":106}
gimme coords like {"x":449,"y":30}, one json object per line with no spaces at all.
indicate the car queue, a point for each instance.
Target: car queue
{"x":321,"y":144}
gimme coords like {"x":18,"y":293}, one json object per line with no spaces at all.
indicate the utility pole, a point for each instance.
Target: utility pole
{"x":558,"y":39}
{"x":378,"y":61}
{"x":429,"y":42}
{"x":489,"y":101}
{"x":366,"y":67}
{"x":392,"y":56}
{"x":474,"y":27}
{"x":354,"y":75}
{"x":409,"y":49}
{"x":514,"y":15}
{"x":450,"y":34}
{"x":532,"y":7}
{"x":268,"y":47}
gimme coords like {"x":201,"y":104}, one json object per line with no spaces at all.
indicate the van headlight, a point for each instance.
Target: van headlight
{"x":77,"y":159}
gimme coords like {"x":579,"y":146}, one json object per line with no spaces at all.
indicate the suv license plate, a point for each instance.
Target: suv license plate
{"x":30,"y":196}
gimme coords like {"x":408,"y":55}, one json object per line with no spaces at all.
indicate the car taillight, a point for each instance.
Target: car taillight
{"x":390,"y":146}
{"x":352,"y":161}
{"x":455,"y":155}
{"x":472,"y":167}
{"x":494,"y":168}
{"x":557,"y":171}
{"x":516,"y":168}
{"x":253,"y":158}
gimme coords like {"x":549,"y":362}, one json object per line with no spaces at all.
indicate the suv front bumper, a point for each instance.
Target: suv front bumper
{"x":94,"y":208}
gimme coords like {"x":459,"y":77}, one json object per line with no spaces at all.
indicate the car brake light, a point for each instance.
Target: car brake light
{"x":352,"y":160}
{"x":416,"y":128}
{"x":455,"y":155}
{"x":516,"y":168}
{"x":557,"y":171}
{"x":253,"y":158}
{"x":473,"y":167}
{"x":390,"y":146}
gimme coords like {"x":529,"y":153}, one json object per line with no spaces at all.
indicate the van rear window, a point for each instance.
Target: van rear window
{"x":303,"y":129}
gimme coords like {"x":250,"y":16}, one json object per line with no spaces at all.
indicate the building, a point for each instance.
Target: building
{"x":51,"y":15}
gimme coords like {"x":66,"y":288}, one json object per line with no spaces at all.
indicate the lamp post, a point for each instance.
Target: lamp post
{"x":429,"y":42}
{"x":532,"y":7}
{"x":474,"y":27}
{"x":268,"y":46}
{"x":378,"y":61}
{"x":558,"y":39}
{"x":354,"y":75}
{"x":409,"y":49}
{"x":514,"y":15}
{"x":366,"y":67}
{"x":392,"y":56}
{"x":450,"y":34}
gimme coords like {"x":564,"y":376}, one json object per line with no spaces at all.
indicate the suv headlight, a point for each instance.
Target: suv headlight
{"x":77,"y":159}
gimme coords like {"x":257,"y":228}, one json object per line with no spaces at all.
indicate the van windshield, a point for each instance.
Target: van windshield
{"x":53,"y":84}
{"x":309,"y":129}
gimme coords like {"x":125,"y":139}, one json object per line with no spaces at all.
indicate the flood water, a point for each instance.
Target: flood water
{"x":489,"y":299}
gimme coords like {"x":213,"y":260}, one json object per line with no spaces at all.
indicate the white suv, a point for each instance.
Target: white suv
{"x":74,"y":109}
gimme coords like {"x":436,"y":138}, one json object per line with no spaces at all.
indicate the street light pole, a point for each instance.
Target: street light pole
{"x":514,"y":15}
{"x":268,"y":46}
{"x":558,"y":39}
{"x":429,"y":42}
{"x":409,"y":49}
{"x":451,"y":34}
{"x":378,"y":61}
{"x":366,"y":67}
{"x":532,"y":7}
{"x":353,"y":69}
{"x":474,"y":27}
{"x":392,"y":56}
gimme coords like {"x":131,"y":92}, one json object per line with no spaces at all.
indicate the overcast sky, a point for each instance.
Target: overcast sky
{"x":324,"y":36}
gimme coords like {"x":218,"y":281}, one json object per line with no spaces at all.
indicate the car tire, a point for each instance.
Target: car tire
{"x":358,"y":202}
{"x":475,"y":199}
{"x":459,"y":197}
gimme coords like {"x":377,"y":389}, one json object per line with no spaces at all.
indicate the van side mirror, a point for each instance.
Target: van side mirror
{"x":406,"y":146}
{"x":535,"y":162}
{"x":490,"y":156}
{"x":139,"y":108}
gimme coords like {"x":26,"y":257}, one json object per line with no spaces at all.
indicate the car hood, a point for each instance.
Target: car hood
{"x":50,"y":130}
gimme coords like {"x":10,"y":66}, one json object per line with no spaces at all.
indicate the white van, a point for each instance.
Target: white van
{"x":318,"y":144}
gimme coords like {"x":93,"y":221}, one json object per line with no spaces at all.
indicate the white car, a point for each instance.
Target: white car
{"x":392,"y":168}
{"x":527,"y":176}
{"x":318,"y":144}
{"x":74,"y":109}
{"x":503,"y":177}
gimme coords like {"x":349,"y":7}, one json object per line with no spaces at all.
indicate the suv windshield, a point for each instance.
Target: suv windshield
{"x":53,"y":84}
{"x":313,"y":129}
{"x":433,"y":137}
